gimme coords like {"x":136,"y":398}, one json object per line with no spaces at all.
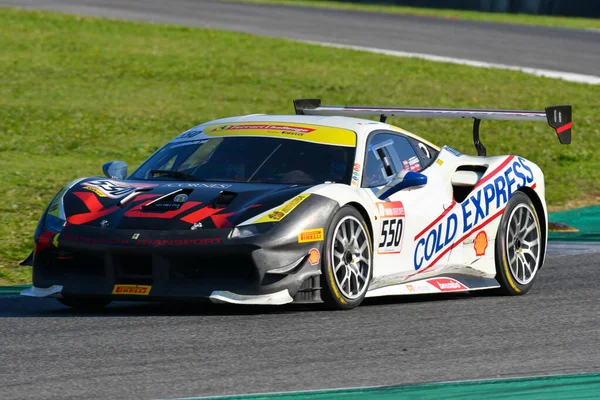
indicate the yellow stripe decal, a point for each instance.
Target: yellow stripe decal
{"x":279,"y":213}
{"x":305,"y":132}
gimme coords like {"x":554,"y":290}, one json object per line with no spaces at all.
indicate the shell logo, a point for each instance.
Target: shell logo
{"x":314,"y":256}
{"x":480,"y":243}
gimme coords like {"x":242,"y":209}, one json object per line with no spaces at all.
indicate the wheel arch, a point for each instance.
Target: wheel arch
{"x":540,"y":211}
{"x":359,"y":207}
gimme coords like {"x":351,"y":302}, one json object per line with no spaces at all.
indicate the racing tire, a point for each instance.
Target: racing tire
{"x":518,"y":246}
{"x":347,"y":265}
{"x":84,"y":304}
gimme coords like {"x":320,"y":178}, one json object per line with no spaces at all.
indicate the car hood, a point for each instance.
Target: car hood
{"x":170,"y":205}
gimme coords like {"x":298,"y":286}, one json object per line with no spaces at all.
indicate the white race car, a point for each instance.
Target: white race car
{"x":316,"y":207}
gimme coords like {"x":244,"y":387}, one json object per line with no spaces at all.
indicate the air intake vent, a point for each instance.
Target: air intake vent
{"x":223,"y":199}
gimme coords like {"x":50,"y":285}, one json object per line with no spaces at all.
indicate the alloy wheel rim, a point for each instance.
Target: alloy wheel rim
{"x":351,"y":257}
{"x":523,"y":244}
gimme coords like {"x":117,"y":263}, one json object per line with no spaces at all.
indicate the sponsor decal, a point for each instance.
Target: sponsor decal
{"x":439,"y":162}
{"x":189,"y":134}
{"x":98,"y":192}
{"x":160,"y":210}
{"x":412,"y":164}
{"x":392,"y":227}
{"x":112,"y":189}
{"x":485,"y":203}
{"x":452,"y":151}
{"x":480,"y":243}
{"x":287,"y":128}
{"x":104,"y":224}
{"x":280,"y":213}
{"x":314,"y":256}
{"x":179,"y":242}
{"x":135,"y":236}
{"x":447,"y":284}
{"x":160,"y":207}
{"x":180,"y":198}
{"x":355,"y":174}
{"x":311,"y":133}
{"x":141,"y":242}
{"x":55,"y":240}
{"x":139,"y":290}
{"x":311,"y":235}
{"x":199,"y":185}
{"x":410,"y":288}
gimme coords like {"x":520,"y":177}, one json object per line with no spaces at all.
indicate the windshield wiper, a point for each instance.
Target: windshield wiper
{"x":174,"y":174}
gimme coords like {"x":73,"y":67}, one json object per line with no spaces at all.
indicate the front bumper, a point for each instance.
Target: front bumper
{"x":218,"y":296}
{"x":270,"y":268}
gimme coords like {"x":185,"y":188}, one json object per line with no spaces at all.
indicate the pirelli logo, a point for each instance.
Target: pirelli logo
{"x":139,"y":290}
{"x":311,"y":235}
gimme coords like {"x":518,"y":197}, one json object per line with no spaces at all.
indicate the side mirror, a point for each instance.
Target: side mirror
{"x":115,"y":169}
{"x":402,"y":181}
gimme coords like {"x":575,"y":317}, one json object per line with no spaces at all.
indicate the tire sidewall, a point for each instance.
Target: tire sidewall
{"x":332,"y":296}
{"x":503,"y":272}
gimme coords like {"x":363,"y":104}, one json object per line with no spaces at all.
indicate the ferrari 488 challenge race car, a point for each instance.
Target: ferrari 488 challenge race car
{"x":317,"y":207}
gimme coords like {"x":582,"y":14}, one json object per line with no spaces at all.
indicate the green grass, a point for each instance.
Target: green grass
{"x":545,"y":20}
{"x":76,"y":92}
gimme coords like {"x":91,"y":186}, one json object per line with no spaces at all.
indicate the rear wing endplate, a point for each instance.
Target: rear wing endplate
{"x":558,"y":117}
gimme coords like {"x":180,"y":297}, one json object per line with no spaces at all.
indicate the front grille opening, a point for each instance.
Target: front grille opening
{"x":223,"y":269}
{"x":62,"y":264}
{"x":134,"y":269}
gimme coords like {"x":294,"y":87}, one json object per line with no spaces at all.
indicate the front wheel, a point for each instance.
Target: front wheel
{"x":518,"y":246}
{"x":347,"y":266}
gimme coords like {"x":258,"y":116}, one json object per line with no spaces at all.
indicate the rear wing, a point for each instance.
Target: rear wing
{"x":558,"y":117}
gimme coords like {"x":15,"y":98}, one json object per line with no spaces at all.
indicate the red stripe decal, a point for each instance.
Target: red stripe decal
{"x":435,"y":221}
{"x":481,"y":182}
{"x":221,"y":221}
{"x":494,"y":172}
{"x":459,"y":241}
{"x":199,"y":215}
{"x":90,"y":200}
{"x":136,"y":212}
{"x":564,"y":128}
{"x":93,"y":204}
{"x":43,"y":241}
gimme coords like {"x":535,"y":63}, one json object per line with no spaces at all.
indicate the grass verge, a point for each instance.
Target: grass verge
{"x":527,"y":19}
{"x":77,"y":92}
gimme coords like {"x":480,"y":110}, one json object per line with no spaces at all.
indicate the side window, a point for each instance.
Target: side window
{"x":388,"y":154}
{"x":426,"y":153}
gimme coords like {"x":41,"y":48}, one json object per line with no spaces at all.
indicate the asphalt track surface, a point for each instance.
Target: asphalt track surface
{"x":165,"y":351}
{"x":560,"y":49}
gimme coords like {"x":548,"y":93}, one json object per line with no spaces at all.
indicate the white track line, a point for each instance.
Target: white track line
{"x":567,"y":76}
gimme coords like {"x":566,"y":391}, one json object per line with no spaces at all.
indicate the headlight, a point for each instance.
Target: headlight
{"x":245,"y":231}
{"x":55,"y":216}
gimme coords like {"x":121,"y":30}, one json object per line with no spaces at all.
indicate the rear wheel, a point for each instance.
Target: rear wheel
{"x":518,"y":246}
{"x":347,"y":265}
{"x":84,"y":304}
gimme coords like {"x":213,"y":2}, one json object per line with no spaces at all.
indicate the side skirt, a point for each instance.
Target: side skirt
{"x":440,"y":284}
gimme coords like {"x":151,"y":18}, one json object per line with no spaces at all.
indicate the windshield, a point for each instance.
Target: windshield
{"x":250,"y":159}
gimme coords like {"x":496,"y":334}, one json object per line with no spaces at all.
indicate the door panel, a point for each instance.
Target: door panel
{"x":412,"y":230}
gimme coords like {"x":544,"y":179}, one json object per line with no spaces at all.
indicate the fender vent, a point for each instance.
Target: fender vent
{"x":460,"y":192}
